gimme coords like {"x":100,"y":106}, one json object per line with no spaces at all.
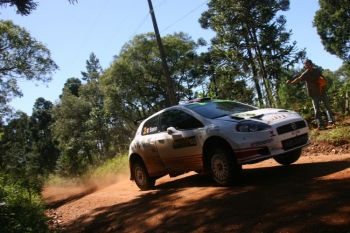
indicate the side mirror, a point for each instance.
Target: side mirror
{"x":171,"y":130}
{"x":175,"y":134}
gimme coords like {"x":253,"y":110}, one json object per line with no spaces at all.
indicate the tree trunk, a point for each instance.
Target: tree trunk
{"x":347,"y":107}
{"x":266,"y":81}
{"x":255,"y":74}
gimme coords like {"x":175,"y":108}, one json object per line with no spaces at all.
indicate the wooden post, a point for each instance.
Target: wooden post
{"x":170,"y":87}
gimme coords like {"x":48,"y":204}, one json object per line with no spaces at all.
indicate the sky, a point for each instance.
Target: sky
{"x":73,"y":32}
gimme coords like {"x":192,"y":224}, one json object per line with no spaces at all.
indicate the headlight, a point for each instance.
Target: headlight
{"x":252,"y":126}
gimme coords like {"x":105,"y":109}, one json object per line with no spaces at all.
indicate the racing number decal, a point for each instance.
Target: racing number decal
{"x":184,"y":142}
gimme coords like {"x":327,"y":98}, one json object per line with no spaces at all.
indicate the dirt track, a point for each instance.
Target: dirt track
{"x":312,"y":195}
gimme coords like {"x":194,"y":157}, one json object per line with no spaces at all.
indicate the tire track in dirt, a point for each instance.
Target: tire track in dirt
{"x":309,"y":196}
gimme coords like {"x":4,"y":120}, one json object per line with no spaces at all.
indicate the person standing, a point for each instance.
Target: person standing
{"x":316,"y":88}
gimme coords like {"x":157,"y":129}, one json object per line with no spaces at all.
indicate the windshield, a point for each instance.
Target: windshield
{"x":215,"y":109}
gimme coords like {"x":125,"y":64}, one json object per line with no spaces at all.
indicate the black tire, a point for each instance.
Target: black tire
{"x":223,"y":168}
{"x":141,"y":177}
{"x":288,"y":158}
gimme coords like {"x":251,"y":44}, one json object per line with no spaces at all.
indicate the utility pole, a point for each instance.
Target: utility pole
{"x":170,"y":87}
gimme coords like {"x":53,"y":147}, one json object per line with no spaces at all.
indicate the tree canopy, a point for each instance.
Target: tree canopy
{"x":332,"y":21}
{"x":134,"y":86}
{"x":24,"y":7}
{"x":21,"y":57}
{"x":251,"y":42}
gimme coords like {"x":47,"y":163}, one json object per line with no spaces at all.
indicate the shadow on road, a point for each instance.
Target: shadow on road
{"x":273,"y":199}
{"x":54,"y":204}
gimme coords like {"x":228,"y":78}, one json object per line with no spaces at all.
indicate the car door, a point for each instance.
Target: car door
{"x":178,"y":143}
{"x":148,"y":148}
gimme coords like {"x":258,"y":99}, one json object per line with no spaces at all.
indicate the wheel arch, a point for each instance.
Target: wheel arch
{"x":214,"y":141}
{"x":132,"y":159}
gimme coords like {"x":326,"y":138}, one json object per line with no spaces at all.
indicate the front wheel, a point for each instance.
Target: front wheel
{"x":223,"y":168}
{"x":142,"y":179}
{"x":288,"y":158}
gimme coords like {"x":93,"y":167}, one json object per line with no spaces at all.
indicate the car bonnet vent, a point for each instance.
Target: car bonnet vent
{"x":258,"y":116}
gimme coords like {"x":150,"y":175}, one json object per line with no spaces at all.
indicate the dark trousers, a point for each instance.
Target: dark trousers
{"x":316,"y":101}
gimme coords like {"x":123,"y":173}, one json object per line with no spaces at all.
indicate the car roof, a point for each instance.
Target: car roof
{"x":183,"y":105}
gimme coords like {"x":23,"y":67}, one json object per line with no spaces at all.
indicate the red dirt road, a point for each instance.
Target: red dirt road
{"x":312,"y":195}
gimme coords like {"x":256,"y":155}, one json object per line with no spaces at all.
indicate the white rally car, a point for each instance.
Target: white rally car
{"x":213,"y":136}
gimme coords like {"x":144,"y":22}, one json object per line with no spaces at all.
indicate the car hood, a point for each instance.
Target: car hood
{"x":266,"y":115}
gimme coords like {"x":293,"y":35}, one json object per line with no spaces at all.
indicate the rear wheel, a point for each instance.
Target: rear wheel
{"x":142,"y":179}
{"x":223,"y":169}
{"x":288,"y":158}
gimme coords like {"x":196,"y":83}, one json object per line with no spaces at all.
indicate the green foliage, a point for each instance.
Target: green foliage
{"x":93,"y":69}
{"x":134,"y":86}
{"x":24,"y":7}
{"x":83,"y":129}
{"x":28,"y":150}
{"x":18,"y":159}
{"x":224,"y":83}
{"x":336,"y":89}
{"x":69,"y":130}
{"x":343,"y":91}
{"x":110,"y":167}
{"x":333,"y":22}
{"x":20,"y":210}
{"x":21,"y":57}
{"x":43,"y":144}
{"x":251,"y":43}
{"x":227,"y":88}
{"x":294,"y":96}
{"x":113,"y":166}
{"x":72,"y":86}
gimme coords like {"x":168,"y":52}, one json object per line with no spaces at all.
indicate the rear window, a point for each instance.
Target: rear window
{"x":215,"y":109}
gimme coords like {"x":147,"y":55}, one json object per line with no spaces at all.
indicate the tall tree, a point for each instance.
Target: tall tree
{"x":133,"y":84}
{"x":343,"y":74}
{"x":224,"y":83}
{"x":98,"y":126}
{"x":72,"y":85}
{"x":332,"y":21}
{"x":27,"y":145}
{"x":24,"y":7}
{"x":93,"y":69}
{"x":69,"y":129}
{"x":249,"y":36}
{"x":18,"y":159}
{"x":81,"y":126}
{"x":21,"y":57}
{"x":43,"y":145}
{"x":15,"y":142}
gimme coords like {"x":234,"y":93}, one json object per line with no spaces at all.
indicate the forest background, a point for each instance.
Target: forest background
{"x":248,"y":59}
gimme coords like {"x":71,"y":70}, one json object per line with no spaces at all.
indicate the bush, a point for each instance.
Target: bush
{"x":20,"y":210}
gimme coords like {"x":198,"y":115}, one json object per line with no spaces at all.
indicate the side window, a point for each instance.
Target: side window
{"x":179,"y":120}
{"x":150,"y":126}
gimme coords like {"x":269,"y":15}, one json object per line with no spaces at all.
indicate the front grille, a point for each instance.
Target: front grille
{"x":291,"y":127}
{"x":295,"y":142}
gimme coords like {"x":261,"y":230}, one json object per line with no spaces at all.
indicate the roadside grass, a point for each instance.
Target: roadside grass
{"x":112,"y":167}
{"x":116,"y":165}
{"x":337,"y":136}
